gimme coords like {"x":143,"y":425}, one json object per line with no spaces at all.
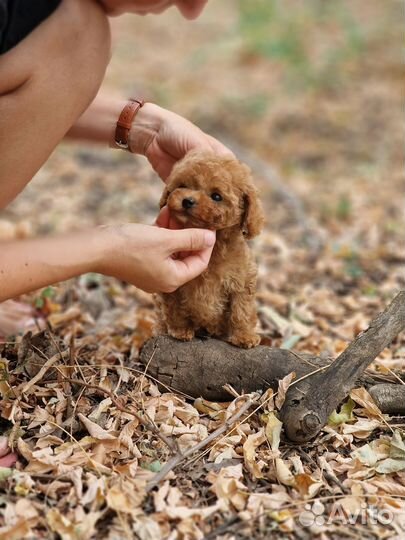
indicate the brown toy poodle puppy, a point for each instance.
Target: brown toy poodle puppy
{"x":215,"y":192}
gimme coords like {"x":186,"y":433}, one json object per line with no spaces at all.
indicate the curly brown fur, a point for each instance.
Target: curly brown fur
{"x":221,"y":300}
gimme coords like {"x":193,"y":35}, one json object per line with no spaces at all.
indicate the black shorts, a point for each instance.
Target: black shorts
{"x":19,"y":17}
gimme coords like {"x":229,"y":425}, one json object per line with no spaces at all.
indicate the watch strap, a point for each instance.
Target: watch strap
{"x":125,"y":120}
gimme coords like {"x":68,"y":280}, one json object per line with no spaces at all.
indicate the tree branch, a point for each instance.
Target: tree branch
{"x":309,"y":404}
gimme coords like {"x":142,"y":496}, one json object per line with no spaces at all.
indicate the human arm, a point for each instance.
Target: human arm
{"x":138,"y":254}
{"x":162,"y":136}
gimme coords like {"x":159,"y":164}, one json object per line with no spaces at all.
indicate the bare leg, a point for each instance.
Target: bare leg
{"x":46,"y":82}
{"x":7,"y":458}
{"x":15,"y":317}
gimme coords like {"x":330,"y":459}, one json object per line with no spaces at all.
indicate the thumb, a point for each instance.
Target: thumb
{"x":191,"y":240}
{"x":163,"y":218}
{"x":191,"y":266}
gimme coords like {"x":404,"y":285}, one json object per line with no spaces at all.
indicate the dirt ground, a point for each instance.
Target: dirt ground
{"x":310,"y":95}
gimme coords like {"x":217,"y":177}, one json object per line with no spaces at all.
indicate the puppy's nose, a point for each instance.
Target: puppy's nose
{"x":188,"y":203}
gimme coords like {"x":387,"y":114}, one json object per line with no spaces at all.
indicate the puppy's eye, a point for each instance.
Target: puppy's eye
{"x":216,"y":197}
{"x":181,"y":186}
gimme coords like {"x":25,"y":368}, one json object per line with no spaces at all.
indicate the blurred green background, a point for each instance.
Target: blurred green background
{"x":300,"y":82}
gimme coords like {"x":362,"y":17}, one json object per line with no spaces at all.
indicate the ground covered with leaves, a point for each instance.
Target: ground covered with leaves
{"x":308,"y":94}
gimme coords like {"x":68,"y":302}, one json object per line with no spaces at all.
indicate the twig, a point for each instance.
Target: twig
{"x":213,"y":535}
{"x":117,"y":404}
{"x":179,"y":457}
{"x":396,"y":376}
{"x":308,"y":406}
{"x":141,"y":372}
{"x":263,"y":403}
{"x":89,"y":459}
{"x":77,"y":400}
{"x":49,"y":363}
{"x":117,"y":386}
{"x":143,"y":402}
{"x":146,"y":370}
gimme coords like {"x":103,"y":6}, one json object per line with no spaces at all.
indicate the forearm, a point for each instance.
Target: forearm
{"x":27,"y":265}
{"x":162,"y":136}
{"x":46,"y":82}
{"x":98,"y":122}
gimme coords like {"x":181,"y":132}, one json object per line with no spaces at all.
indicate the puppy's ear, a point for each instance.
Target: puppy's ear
{"x":164,"y":197}
{"x":252,"y":217}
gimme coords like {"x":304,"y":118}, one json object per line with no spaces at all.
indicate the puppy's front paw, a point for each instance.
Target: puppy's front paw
{"x":183,"y":334}
{"x":245,"y":340}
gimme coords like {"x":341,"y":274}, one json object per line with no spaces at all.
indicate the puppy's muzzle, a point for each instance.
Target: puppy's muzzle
{"x":188,"y":203}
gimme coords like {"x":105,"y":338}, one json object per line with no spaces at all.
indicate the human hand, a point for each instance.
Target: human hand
{"x":165,"y":137}
{"x":7,"y":458}
{"x":167,"y":221}
{"x":143,"y":255}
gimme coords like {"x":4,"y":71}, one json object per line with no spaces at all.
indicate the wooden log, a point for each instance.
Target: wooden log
{"x":309,"y":403}
{"x":202,"y":367}
{"x":390,"y":398}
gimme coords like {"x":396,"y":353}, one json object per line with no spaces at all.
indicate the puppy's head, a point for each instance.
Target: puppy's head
{"x":213,"y":192}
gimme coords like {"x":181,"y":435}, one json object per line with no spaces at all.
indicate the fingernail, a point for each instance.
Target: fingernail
{"x":209,"y":238}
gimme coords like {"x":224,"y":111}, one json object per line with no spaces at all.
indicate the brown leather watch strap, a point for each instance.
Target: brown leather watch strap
{"x":125,"y":121}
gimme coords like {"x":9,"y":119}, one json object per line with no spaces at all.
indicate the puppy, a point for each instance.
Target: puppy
{"x":215,"y":192}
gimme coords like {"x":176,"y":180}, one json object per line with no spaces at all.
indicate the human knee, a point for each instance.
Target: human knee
{"x":89,"y":43}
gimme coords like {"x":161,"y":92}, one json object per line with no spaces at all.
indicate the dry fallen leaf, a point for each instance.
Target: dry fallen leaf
{"x":283,"y":386}
{"x":283,"y":473}
{"x":125,"y":496}
{"x":249,"y":452}
{"x":95,"y":430}
{"x":273,"y":430}
{"x":363,"y":398}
